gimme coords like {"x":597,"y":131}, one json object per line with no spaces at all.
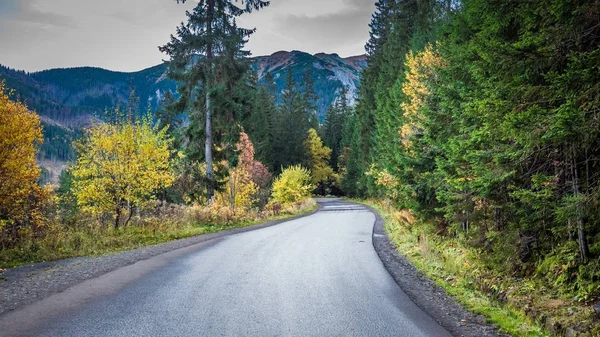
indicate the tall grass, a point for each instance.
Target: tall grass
{"x":455,"y":268}
{"x":91,"y":236}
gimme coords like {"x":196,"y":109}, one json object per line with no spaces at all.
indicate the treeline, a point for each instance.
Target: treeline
{"x":71,"y":96}
{"x":222,"y":98}
{"x":482,"y":117}
{"x":57,"y":144}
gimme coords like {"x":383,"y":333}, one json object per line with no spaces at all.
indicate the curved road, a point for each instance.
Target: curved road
{"x":314,"y":276}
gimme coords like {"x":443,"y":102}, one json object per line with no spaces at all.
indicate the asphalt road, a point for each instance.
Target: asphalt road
{"x":315,"y":276}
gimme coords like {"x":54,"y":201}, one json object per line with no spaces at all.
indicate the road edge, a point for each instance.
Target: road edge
{"x":35,"y":282}
{"x":428,"y":296}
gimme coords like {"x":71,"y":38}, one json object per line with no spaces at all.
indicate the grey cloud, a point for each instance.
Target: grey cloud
{"x":361,"y":4}
{"x":26,"y":12}
{"x":346,"y":27}
{"x":124,"y":34}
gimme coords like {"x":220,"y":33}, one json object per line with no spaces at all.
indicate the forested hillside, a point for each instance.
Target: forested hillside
{"x":68,"y":99}
{"x":481,"y":117}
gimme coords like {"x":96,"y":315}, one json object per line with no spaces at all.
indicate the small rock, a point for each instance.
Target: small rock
{"x":597,"y":308}
{"x":548,"y":324}
{"x":570,"y":332}
{"x":551,"y":326}
{"x":2,"y":270}
{"x":570,"y":311}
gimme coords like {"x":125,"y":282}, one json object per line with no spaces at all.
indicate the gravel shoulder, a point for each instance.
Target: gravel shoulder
{"x":425,"y":293}
{"x":27,"y":284}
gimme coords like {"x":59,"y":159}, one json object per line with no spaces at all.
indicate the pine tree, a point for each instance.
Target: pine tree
{"x":208,"y":60}
{"x":380,"y":26}
{"x":330,"y":131}
{"x":333,"y":126}
{"x":310,"y":98}
{"x":365,"y":122}
{"x":291,"y":127}
{"x":168,"y":114}
{"x":133,"y":105}
{"x":260,"y":124}
{"x":387,"y":116}
{"x":349,"y":163}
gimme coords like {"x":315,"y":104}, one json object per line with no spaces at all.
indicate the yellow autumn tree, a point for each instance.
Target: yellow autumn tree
{"x":421,"y":67}
{"x":20,"y":133}
{"x":318,"y":156}
{"x":384,"y":179}
{"x":120,"y":166}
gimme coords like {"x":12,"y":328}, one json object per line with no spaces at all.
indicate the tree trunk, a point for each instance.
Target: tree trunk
{"x":498,"y":218}
{"x":232,"y":189}
{"x":583,"y":245}
{"x":117,"y":217}
{"x":465,"y":222}
{"x":208,"y":144}
{"x":130,"y":215}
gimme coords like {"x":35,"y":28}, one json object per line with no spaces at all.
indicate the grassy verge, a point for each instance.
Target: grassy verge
{"x":94,"y":239}
{"x":455,"y":268}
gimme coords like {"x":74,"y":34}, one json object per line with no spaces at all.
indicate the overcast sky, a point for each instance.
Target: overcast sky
{"x":124,"y":34}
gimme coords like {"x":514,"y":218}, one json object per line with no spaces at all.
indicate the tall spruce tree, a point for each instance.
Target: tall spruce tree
{"x":360,"y":154}
{"x":208,"y":62}
{"x":168,"y":115}
{"x":333,"y":126}
{"x":291,"y":126}
{"x":259,"y":125}
{"x":387,"y":116}
{"x":310,"y":98}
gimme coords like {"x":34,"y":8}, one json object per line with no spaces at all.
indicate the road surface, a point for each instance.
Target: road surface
{"x":314,"y":276}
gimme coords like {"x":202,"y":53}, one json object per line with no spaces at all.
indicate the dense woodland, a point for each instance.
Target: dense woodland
{"x":482,"y":117}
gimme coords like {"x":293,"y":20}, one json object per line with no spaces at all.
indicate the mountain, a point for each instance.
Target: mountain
{"x":72,"y":97}
{"x":67,"y":100}
{"x":330,"y":73}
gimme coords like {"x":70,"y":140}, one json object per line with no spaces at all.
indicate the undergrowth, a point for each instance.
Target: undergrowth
{"x":513,"y":304}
